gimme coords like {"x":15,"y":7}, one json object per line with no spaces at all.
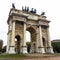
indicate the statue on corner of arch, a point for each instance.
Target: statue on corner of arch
{"x":13,"y":5}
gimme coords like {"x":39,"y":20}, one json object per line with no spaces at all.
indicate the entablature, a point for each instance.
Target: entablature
{"x":23,"y":16}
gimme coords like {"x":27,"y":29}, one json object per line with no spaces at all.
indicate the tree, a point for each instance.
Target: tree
{"x":1,"y":45}
{"x":28,"y":47}
{"x":4,"y":49}
{"x":56,"y":46}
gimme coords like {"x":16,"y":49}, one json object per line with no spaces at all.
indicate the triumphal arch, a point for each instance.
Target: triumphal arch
{"x":20,"y":21}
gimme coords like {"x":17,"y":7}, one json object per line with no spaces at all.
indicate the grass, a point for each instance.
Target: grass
{"x":12,"y":55}
{"x":57,"y":54}
{"x":24,"y":55}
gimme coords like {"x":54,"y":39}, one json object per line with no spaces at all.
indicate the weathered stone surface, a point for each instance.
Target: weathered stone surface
{"x":19,"y":22}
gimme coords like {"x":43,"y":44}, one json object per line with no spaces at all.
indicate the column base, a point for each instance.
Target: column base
{"x":7,"y":50}
{"x":41,"y":50}
{"x":12,"y":50}
{"x":50,"y":50}
{"x":24,"y":49}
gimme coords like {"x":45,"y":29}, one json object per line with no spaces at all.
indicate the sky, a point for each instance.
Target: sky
{"x":50,"y":7}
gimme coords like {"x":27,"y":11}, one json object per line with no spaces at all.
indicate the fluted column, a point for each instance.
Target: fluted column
{"x":41,"y":48}
{"x":50,"y":49}
{"x":12,"y":45}
{"x":49,"y":42}
{"x":24,"y":40}
{"x":7,"y":49}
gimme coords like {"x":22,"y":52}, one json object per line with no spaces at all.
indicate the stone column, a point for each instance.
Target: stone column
{"x":37,"y":42}
{"x":12,"y":45}
{"x":50,"y":49}
{"x":7,"y":49}
{"x":41,"y":48}
{"x":24,"y":40}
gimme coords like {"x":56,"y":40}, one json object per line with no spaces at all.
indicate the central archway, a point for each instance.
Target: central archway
{"x":32,"y":42}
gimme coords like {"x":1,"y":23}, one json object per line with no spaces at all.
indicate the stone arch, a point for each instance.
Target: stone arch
{"x":32,"y":31}
{"x":32,"y":27}
{"x":37,"y":25}
{"x":17,"y":43}
{"x":33,"y":39}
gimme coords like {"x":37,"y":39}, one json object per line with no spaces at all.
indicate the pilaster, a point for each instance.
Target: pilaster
{"x":12,"y":45}
{"x":7,"y":49}
{"x":24,"y":47}
{"x":40,"y":43}
{"x":49,"y":49}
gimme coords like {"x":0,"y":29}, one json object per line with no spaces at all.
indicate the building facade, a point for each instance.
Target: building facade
{"x":21,"y":21}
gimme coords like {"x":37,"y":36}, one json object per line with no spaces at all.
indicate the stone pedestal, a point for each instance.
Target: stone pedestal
{"x":41,"y":50}
{"x":50,"y":50}
{"x":12,"y":50}
{"x":24,"y":49}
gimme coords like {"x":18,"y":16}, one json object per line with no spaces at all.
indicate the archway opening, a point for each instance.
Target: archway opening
{"x":31,"y":44}
{"x":28,"y":36}
{"x":44,"y":44}
{"x":28,"y":41}
{"x":17,"y":44}
{"x":43,"y":41}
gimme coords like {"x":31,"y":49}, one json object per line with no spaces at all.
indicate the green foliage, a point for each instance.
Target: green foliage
{"x":1,"y":44}
{"x":4,"y":49}
{"x":56,"y":46}
{"x":28,"y":46}
{"x":12,"y":56}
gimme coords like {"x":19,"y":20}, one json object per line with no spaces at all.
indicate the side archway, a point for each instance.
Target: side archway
{"x":17,"y":43}
{"x":44,"y":43}
{"x":43,"y":39}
